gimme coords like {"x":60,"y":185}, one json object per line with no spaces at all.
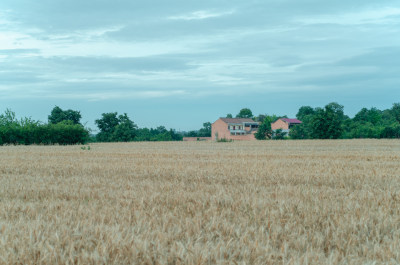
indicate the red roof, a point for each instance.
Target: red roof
{"x":291,"y":121}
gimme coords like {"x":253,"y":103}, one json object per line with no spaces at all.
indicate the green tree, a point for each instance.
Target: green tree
{"x":372,"y":115}
{"x":58,"y":115}
{"x":125,"y":131}
{"x":279,"y":134}
{"x":245,"y":113}
{"x":114,"y":128}
{"x":305,"y":112}
{"x":300,"y":131}
{"x":229,"y":116}
{"x":395,"y":110}
{"x":206,"y":130}
{"x":327,"y":122}
{"x":264,"y":130}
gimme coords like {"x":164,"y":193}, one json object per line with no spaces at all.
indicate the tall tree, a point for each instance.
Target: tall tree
{"x":327,"y":122}
{"x":245,"y":113}
{"x":58,"y":115}
{"x":372,"y":115}
{"x":264,"y":130}
{"x":115,"y":128}
{"x":304,"y":112}
{"x":206,"y":130}
{"x":396,"y":111}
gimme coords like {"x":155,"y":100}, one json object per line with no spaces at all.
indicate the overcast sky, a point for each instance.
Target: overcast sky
{"x":180,"y":63}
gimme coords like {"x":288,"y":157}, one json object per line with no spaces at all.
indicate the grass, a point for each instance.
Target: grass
{"x":274,"y":202}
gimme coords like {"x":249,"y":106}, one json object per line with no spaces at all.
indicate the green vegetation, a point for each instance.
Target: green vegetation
{"x":58,"y":115}
{"x":64,"y":127}
{"x":27,"y":131}
{"x":245,"y":113}
{"x":203,"y":132}
{"x":158,"y":134}
{"x":264,"y":130}
{"x":114,"y":128}
{"x":331,"y":123}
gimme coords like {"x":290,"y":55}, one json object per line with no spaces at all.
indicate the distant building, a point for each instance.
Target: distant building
{"x":284,"y":124}
{"x":234,"y":129}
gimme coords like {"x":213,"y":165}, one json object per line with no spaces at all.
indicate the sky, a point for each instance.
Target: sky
{"x":180,"y":63}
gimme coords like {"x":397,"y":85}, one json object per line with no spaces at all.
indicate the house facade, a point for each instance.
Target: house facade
{"x":284,"y":124}
{"x":234,"y":129}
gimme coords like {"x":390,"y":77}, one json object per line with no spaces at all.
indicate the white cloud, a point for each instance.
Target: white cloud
{"x":387,"y":15}
{"x":198,"y":15}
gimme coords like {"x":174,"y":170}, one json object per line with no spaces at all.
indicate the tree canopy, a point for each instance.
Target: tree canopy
{"x":245,"y":113}
{"x":115,"y":128}
{"x":58,"y":115}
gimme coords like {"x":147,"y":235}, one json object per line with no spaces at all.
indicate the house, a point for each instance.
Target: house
{"x":284,"y":124}
{"x":234,"y":129}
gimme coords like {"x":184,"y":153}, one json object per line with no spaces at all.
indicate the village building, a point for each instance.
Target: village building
{"x":234,"y":129}
{"x":284,"y":124}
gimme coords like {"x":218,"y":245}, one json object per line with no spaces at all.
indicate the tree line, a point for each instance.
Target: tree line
{"x":65,"y":127}
{"x":330,"y":122}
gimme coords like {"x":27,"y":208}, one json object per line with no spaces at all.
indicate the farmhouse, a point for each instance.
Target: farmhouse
{"x":234,"y":129}
{"x":284,"y":124}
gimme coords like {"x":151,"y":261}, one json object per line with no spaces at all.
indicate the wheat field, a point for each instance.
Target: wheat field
{"x":273,"y":202}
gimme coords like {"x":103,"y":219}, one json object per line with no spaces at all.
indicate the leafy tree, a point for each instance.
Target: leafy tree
{"x":264,"y":130}
{"x":305,"y":112}
{"x":206,"y":130}
{"x":273,"y":118}
{"x":125,"y":131}
{"x":300,"y":131}
{"x":58,"y":115}
{"x":391,"y":132}
{"x":372,"y":115}
{"x":395,"y":110}
{"x":7,"y":118}
{"x":245,"y":113}
{"x":279,"y":134}
{"x":327,"y":122}
{"x":114,"y":128}
{"x":304,"y":130}
{"x":229,"y":115}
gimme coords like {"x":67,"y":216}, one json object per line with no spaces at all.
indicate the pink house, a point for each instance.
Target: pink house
{"x":234,"y":129}
{"x":284,"y":124}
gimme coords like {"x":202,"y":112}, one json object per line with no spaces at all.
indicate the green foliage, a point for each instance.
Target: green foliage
{"x":373,"y":116}
{"x":331,"y":123}
{"x":327,"y":123}
{"x":203,"y":132}
{"x":264,"y":130}
{"x":391,"y":132}
{"x":304,"y":113}
{"x":229,"y":116}
{"x":395,"y":111}
{"x":279,"y":134}
{"x":158,"y":134}
{"x":300,"y":131}
{"x":114,"y":128}
{"x":245,"y":113}
{"x":27,"y":131}
{"x":58,"y":115}
{"x":272,"y":118}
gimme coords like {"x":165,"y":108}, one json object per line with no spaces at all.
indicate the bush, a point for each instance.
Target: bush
{"x":27,"y":133}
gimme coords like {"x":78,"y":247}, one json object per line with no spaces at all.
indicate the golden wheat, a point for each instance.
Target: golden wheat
{"x":274,"y":202}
